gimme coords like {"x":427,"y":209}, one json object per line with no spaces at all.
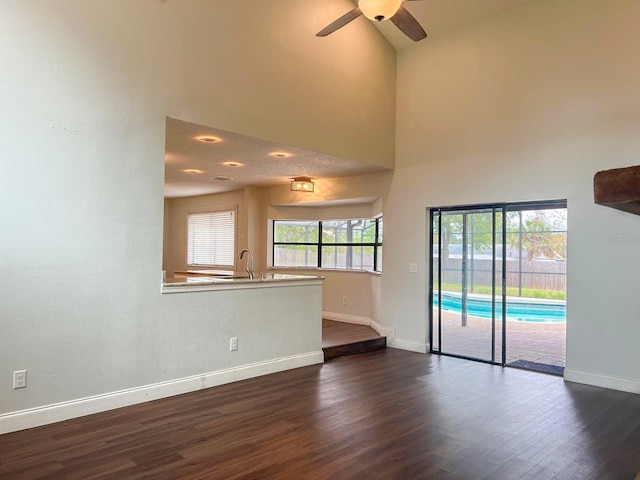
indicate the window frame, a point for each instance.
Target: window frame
{"x":376,"y":244}
{"x":200,"y":211}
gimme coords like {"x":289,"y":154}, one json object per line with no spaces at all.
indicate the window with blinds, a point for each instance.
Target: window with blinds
{"x":211,"y":238}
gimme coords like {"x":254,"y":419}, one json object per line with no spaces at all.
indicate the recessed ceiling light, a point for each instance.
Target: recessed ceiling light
{"x":233,"y":164}
{"x":208,"y":139}
{"x":280,"y":154}
{"x":221,"y":178}
{"x":192,"y":171}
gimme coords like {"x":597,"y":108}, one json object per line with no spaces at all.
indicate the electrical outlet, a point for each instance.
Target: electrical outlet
{"x":413,"y":268}
{"x":20,"y":379}
{"x":344,"y":300}
{"x":233,"y":344}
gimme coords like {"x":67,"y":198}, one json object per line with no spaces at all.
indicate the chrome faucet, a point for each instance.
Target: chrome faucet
{"x":250,"y":262}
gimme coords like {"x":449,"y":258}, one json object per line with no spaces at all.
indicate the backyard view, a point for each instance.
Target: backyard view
{"x":351,"y":244}
{"x":481,"y":256}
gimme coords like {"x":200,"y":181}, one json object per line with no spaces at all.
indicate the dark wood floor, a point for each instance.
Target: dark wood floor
{"x":340,"y":333}
{"x":341,"y":339}
{"x":388,"y":414}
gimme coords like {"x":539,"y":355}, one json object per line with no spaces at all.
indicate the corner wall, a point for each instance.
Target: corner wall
{"x":361,"y":196}
{"x":86,"y":88}
{"x":526,"y":106}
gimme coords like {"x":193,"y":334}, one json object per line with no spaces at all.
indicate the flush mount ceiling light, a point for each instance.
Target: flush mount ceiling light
{"x":280,"y":154}
{"x":302,"y":184}
{"x":378,"y":11}
{"x":208,"y":139}
{"x":222,"y":178}
{"x":233,"y":164}
{"x":193,"y":171}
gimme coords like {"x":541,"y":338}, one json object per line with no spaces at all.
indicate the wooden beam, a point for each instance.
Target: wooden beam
{"x":618,"y":188}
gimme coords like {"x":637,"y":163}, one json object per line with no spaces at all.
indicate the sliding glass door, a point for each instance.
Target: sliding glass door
{"x":466,"y":287}
{"x":477,"y":253}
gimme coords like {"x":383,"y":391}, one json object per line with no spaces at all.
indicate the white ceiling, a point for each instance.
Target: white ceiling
{"x":184,"y":152}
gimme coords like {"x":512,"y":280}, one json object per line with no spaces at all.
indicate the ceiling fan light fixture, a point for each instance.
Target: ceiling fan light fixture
{"x":302,"y":184}
{"x":379,"y":10}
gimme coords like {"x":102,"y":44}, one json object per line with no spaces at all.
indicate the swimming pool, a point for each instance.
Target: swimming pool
{"x":520,"y":310}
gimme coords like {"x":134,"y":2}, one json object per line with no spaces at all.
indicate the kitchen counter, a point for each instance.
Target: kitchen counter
{"x":205,"y":273}
{"x":210,"y":283}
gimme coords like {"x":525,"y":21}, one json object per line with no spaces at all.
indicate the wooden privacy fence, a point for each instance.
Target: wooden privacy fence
{"x":536,"y":274}
{"x":332,"y":257}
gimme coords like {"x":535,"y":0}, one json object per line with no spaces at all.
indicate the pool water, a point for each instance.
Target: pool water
{"x":522,"y":310}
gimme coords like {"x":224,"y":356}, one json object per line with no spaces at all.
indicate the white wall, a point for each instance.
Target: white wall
{"x":84,"y":92}
{"x":167,"y":237}
{"x":527,"y":106}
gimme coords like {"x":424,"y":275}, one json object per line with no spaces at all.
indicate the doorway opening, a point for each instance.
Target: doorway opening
{"x":497,"y":284}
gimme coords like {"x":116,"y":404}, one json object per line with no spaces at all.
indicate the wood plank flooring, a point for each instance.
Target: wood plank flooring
{"x":388,"y":414}
{"x":340,"y":333}
{"x":340,"y":339}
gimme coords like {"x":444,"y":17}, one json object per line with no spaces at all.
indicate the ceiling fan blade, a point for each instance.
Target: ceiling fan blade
{"x":339,"y":23}
{"x":408,"y":25}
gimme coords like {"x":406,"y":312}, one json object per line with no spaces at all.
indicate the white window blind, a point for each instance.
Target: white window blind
{"x":211,"y":238}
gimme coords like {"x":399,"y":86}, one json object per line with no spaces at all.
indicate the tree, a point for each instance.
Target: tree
{"x":479,"y":228}
{"x":542,"y":236}
{"x":296,"y":232}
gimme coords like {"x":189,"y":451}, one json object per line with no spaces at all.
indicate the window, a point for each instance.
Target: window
{"x":211,"y":238}
{"x":354,"y":244}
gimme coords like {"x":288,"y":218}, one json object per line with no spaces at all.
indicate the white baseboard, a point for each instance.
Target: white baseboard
{"x":344,"y":318}
{"x":384,"y":331}
{"x":35,"y":417}
{"x":409,"y":346}
{"x":604,"y":381}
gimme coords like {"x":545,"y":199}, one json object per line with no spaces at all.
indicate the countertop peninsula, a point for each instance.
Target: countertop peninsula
{"x":207,"y":283}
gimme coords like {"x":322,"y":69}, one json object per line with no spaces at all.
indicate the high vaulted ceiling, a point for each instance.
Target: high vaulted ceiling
{"x":438,"y":17}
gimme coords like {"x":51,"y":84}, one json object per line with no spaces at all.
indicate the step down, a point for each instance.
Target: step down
{"x":362,"y":346}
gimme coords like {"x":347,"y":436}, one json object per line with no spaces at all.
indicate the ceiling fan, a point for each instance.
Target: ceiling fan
{"x":380,"y":10}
